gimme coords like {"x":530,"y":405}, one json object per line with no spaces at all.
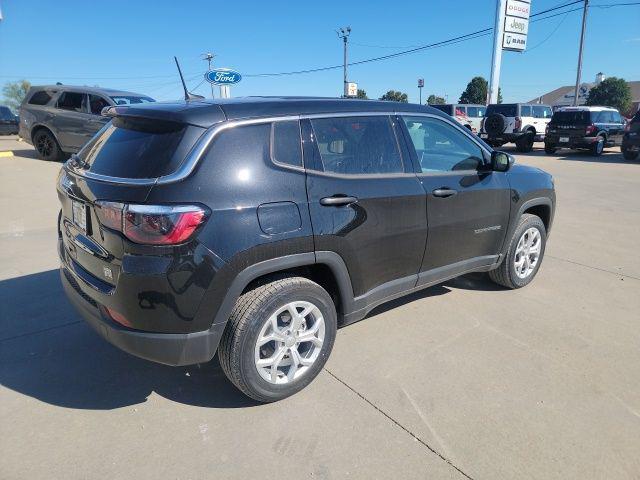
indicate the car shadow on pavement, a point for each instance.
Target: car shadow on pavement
{"x":48,"y":353}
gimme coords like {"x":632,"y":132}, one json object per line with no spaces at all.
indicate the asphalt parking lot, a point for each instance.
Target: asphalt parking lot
{"x":464,"y":380}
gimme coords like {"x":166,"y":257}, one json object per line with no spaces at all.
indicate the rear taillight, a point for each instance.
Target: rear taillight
{"x":152,"y":224}
{"x":590,"y":129}
{"x":518,"y":123}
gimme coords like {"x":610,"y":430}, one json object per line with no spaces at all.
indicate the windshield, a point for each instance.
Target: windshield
{"x":129,"y":99}
{"x":508,"y":109}
{"x":571,"y":117}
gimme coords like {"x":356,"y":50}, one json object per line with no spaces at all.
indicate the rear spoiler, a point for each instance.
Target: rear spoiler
{"x":199,"y":114}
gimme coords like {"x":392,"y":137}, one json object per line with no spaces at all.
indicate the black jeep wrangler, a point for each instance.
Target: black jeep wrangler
{"x":255,"y":227}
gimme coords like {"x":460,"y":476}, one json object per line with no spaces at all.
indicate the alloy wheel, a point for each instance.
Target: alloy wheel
{"x":289,"y":342}
{"x":527,"y":252}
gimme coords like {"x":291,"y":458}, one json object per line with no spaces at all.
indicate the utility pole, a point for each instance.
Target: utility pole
{"x":344,"y":33}
{"x":496,"y":58}
{"x":579,"y":74}
{"x":208,"y":57}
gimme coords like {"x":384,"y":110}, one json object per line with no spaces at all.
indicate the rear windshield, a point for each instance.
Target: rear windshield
{"x":571,"y":117}
{"x":130,"y":99}
{"x":507,"y":109}
{"x":138,"y":148}
{"x":444,"y":108}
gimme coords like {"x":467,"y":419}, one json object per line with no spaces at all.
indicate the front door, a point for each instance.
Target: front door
{"x":366,"y":202}
{"x":467,"y":204}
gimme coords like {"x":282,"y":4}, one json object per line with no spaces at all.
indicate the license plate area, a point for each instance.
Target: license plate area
{"x":484,"y":135}
{"x":79,"y":215}
{"x":564,"y":139}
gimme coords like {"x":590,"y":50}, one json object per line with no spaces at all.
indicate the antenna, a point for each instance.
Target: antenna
{"x":187,"y":94}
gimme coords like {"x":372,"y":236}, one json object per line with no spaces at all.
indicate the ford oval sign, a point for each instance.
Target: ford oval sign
{"x":222,"y":76}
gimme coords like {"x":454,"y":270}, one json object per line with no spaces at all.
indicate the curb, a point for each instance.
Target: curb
{"x":7,"y":153}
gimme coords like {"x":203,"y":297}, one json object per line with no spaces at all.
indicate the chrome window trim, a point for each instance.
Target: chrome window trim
{"x":202,"y":144}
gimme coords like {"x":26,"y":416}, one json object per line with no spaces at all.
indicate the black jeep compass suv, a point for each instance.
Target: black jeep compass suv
{"x":255,"y":227}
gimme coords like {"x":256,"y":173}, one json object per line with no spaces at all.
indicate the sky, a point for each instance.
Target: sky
{"x":130,"y":45}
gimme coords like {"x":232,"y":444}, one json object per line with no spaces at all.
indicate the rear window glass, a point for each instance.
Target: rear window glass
{"x":138,"y":148}
{"x":130,"y":99}
{"x":448,"y":109}
{"x":571,"y":117}
{"x":40,"y":98}
{"x":5,"y":114}
{"x":508,"y":110}
{"x":71,"y":101}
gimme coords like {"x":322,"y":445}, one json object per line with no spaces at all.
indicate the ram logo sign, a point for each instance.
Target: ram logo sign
{"x":222,"y":76}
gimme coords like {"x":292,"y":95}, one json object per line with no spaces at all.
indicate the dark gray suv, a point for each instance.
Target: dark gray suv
{"x":60,"y":119}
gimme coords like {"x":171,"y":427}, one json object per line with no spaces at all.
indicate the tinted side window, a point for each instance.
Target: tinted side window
{"x":441,"y":147}
{"x":5,"y":114}
{"x":604,"y":117}
{"x":472,"y":112}
{"x":40,"y":98}
{"x":616,"y":117}
{"x":96,"y":104}
{"x":461,"y":110}
{"x":525,"y":111}
{"x":70,"y":101}
{"x":357,"y":145}
{"x":286,"y":146}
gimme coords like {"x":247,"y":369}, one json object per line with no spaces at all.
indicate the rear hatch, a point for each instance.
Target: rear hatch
{"x":570,"y":124}
{"x":119,"y":164}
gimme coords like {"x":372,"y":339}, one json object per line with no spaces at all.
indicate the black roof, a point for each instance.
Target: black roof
{"x":205,"y":113}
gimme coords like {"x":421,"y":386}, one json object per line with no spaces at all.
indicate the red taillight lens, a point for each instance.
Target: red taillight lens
{"x":590,"y":129}
{"x":151,"y":224}
{"x":161,"y":225}
{"x":518,"y":123}
{"x":117,"y":317}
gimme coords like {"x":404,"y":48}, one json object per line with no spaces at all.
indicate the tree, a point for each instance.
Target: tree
{"x":394,"y":96}
{"x":14,"y":93}
{"x":476,"y":92}
{"x":435,"y":100}
{"x":362,"y":94}
{"x":611,"y":92}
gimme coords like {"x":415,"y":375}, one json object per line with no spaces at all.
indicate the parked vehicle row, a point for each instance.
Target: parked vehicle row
{"x":59,"y":119}
{"x":468,"y":115}
{"x":255,"y":227}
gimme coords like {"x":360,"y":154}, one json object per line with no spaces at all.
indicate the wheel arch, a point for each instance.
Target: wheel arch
{"x":325,"y":268}
{"x":40,"y":126}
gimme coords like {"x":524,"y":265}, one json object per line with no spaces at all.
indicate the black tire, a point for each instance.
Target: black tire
{"x":525,"y":143}
{"x":47,"y":146}
{"x":253,"y":309}
{"x":598,"y":146}
{"x":505,"y":274}
{"x":549,"y":149}
{"x":628,"y":154}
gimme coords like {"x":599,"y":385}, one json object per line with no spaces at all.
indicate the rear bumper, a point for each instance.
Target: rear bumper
{"x":508,"y":137}
{"x":631,"y":141}
{"x":573,"y":142}
{"x":167,"y":348}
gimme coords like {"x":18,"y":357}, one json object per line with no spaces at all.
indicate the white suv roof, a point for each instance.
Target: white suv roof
{"x":586,"y":109}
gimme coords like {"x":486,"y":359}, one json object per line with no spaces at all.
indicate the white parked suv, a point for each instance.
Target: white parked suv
{"x":469,"y":116}
{"x":519,"y":123}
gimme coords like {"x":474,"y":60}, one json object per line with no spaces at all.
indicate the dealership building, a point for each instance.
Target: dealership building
{"x":563,"y":96}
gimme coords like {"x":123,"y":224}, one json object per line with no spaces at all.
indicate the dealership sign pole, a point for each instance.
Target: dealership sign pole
{"x":224,"y":78}
{"x":509,"y":33}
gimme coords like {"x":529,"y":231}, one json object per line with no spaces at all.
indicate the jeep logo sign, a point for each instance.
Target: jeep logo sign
{"x":222,"y":76}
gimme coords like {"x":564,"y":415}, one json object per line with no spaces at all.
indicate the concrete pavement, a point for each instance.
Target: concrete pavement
{"x":463,"y":380}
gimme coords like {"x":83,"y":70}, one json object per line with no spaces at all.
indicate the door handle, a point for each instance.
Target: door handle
{"x":337,"y":201}
{"x":444,"y":192}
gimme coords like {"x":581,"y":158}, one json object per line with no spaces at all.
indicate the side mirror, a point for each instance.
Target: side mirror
{"x":501,"y":161}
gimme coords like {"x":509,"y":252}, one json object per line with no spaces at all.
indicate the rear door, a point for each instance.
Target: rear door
{"x":467,"y":205}
{"x":366,"y":203}
{"x":96,"y":121}
{"x":71,"y":120}
{"x":617,"y":128}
